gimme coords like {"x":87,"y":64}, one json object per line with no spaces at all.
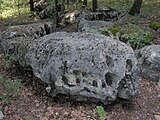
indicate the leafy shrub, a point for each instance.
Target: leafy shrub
{"x":137,"y":37}
{"x":154,"y":25}
{"x":113,"y":30}
{"x":131,"y":34}
{"x":101,"y":113}
{"x":5,"y":100}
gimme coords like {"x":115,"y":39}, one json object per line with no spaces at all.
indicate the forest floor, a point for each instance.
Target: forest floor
{"x":32,"y":102}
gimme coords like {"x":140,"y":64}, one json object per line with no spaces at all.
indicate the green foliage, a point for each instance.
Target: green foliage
{"x":5,"y":100}
{"x":114,"y":30}
{"x":30,"y":118}
{"x":13,"y":86}
{"x":137,"y":37}
{"x":101,"y":113}
{"x":131,"y":34}
{"x":1,"y":79}
{"x":9,"y":59}
{"x":154,"y":25}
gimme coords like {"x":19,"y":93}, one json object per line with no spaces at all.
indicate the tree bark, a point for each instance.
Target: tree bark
{"x":94,"y":5}
{"x":135,"y":10}
{"x":31,"y":2}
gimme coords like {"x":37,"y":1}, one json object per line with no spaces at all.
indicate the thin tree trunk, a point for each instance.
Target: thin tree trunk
{"x":31,"y":2}
{"x":67,"y":2}
{"x":85,"y":2}
{"x":136,"y":7}
{"x":56,"y":16}
{"x":94,"y":5}
{"x":19,"y":13}
{"x":1,"y":8}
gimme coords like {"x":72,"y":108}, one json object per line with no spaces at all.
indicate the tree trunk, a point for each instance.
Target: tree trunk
{"x":31,"y":2}
{"x":94,"y":5}
{"x":85,"y":2}
{"x":56,"y":14}
{"x":136,"y":7}
{"x":67,"y":2}
{"x":19,"y":13}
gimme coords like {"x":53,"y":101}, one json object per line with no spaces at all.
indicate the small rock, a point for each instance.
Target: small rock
{"x":149,"y":60}
{"x":1,"y":115}
{"x":157,"y":117}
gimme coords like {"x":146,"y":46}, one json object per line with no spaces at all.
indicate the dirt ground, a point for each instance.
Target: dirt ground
{"x":33,"y":103}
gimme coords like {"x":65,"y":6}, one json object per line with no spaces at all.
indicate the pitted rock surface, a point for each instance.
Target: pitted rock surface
{"x":96,"y":26}
{"x":84,"y":66}
{"x":149,"y":60}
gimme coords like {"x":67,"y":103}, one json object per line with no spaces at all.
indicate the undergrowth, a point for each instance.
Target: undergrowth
{"x":11,"y":87}
{"x":101,"y":113}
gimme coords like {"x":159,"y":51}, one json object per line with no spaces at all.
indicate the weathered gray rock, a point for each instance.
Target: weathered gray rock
{"x":34,"y":30}
{"x":95,"y":22}
{"x":149,"y":60}
{"x":1,"y":115}
{"x":95,"y":26}
{"x":106,"y":14}
{"x":85,"y":66}
{"x":23,"y":35}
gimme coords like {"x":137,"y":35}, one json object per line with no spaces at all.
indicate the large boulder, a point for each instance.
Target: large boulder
{"x":96,"y":22}
{"x":84,"y":66}
{"x":149,"y":61}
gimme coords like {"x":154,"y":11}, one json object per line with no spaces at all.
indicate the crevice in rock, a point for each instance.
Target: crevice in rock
{"x":109,"y":61}
{"x":128,"y":65}
{"x":47,"y":29}
{"x":78,"y":80}
{"x":86,"y":89}
{"x":65,"y":67}
{"x":95,"y":83}
{"x":76,"y":72}
{"x":65,"y":80}
{"x":109,"y":78}
{"x":103,"y":85}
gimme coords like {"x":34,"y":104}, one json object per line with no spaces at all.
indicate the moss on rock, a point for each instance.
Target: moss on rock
{"x":114,"y":30}
{"x":132,"y":34}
